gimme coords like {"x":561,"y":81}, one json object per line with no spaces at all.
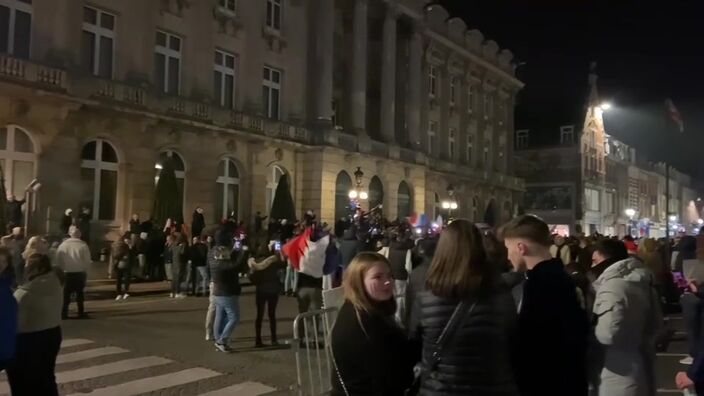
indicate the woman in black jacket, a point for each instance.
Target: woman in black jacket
{"x":370,"y":352}
{"x":265,"y":275}
{"x":478,"y":354}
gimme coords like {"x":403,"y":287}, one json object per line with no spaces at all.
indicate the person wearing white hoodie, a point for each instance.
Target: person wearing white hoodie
{"x":73,"y":257}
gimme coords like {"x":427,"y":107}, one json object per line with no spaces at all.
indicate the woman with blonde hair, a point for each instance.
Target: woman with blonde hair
{"x":36,"y":244}
{"x":371,"y":355}
{"x":465,"y":318}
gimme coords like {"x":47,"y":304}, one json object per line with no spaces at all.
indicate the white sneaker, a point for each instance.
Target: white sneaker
{"x":124,"y":296}
{"x":118,"y":298}
{"x":687,"y":361}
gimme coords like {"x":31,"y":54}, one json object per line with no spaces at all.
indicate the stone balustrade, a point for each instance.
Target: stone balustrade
{"x":32,"y":72}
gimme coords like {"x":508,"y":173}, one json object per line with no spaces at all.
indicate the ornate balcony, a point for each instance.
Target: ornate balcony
{"x":32,"y":73}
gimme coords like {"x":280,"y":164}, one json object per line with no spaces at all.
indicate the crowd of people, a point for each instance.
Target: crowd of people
{"x":427,"y":310}
{"x":532,"y":314}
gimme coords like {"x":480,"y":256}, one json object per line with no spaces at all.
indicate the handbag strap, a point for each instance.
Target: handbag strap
{"x":458,"y":317}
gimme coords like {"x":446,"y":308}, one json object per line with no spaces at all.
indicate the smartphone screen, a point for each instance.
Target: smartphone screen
{"x":277,"y":246}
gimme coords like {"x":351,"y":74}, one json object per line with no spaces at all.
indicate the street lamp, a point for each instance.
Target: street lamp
{"x":357,"y":194}
{"x":605,"y":106}
{"x":673,"y":218}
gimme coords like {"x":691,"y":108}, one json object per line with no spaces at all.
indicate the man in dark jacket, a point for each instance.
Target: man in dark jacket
{"x":552,"y":325}
{"x":197,"y":222}
{"x":13,"y":210}
{"x":198,"y":255}
{"x":350,"y":245}
{"x":225,"y":280}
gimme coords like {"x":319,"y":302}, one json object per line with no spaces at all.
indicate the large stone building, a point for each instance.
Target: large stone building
{"x":584,"y":180}
{"x":95,"y":95}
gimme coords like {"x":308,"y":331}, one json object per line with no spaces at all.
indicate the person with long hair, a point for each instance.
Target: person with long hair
{"x":39,"y":330}
{"x":36,"y":244}
{"x":464,"y":286}
{"x":370,"y":352}
{"x":8,"y":309}
{"x":265,"y":271}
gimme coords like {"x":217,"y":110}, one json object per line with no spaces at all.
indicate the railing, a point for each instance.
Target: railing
{"x":379,"y":149}
{"x":120,"y":92}
{"x":31,"y":72}
{"x":347,"y":141}
{"x":407,"y":155}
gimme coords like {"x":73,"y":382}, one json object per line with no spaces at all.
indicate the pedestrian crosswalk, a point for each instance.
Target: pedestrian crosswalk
{"x":91,"y":377}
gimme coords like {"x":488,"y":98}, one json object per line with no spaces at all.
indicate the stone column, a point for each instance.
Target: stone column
{"x":388,"y":76}
{"x":324,"y":30}
{"x":359,"y":67}
{"x":415,"y":79}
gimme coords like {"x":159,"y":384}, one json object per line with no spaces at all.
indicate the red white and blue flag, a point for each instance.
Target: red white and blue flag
{"x":674,"y":114}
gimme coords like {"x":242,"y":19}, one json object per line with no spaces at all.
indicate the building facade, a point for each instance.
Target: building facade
{"x":591,"y":182}
{"x":94,"y":96}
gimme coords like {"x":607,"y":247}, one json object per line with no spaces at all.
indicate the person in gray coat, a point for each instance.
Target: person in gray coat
{"x":628,"y":315}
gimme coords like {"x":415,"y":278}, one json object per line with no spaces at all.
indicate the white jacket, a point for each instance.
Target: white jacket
{"x":73,"y":255}
{"x":39,"y":302}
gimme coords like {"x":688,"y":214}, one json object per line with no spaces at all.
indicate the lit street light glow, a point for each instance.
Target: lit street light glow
{"x":605,"y":106}
{"x":630,"y":212}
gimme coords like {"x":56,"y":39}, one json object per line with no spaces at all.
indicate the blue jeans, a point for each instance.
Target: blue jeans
{"x":227,"y":315}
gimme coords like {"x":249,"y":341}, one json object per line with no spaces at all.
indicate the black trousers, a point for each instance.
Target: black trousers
{"x":32,"y":370}
{"x":75,"y":283}
{"x":270,"y":300}
{"x":124,"y":277}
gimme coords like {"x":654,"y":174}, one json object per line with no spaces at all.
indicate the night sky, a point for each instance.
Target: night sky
{"x":645,"y":54}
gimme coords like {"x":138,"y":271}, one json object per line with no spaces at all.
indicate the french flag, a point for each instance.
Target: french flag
{"x":307,"y":256}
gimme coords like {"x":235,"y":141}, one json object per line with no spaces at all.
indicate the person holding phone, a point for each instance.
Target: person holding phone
{"x":265,"y":274}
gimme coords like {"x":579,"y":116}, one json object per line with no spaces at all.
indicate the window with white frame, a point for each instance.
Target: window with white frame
{"x":224,"y":79}
{"x":273,"y":176}
{"x":179,"y":169}
{"x":522,"y":139}
{"x":227,"y":190}
{"x":470,"y":98}
{"x":469,"y":153}
{"x":18,"y":159}
{"x":227,"y":4}
{"x":167,"y":63}
{"x":271,"y":92}
{"x":432,"y":81}
{"x":488,"y":104}
{"x":99,"y":172}
{"x":591,"y":199}
{"x":451,"y":143}
{"x":432,"y":136}
{"x":454,"y":85}
{"x":566,"y":134}
{"x":98,"y":42}
{"x":273,"y":14}
{"x":15,"y":27}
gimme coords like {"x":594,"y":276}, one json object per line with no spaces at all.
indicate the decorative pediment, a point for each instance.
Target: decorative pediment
{"x":455,"y":64}
{"x":436,"y":15}
{"x":228,"y":22}
{"x":456,"y":29}
{"x":175,"y":7}
{"x":473,"y":40}
{"x":435,"y":55}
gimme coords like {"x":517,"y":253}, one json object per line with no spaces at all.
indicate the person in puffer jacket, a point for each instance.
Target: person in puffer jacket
{"x":265,"y":271}
{"x":628,"y":315}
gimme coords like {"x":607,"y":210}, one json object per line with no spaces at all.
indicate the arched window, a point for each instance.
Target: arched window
{"x":405,"y":204}
{"x":376,"y":192}
{"x":99,"y":167}
{"x":179,"y":167}
{"x":227,"y":190}
{"x":17,"y":158}
{"x":343,"y":185}
{"x":272,"y":181}
{"x":475,"y":209}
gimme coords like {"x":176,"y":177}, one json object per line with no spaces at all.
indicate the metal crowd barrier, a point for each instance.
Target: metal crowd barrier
{"x":311,"y":335}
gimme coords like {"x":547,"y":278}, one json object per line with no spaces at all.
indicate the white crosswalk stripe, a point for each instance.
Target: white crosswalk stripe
{"x":152,"y":384}
{"x":178,"y":376}
{"x":88,"y":354}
